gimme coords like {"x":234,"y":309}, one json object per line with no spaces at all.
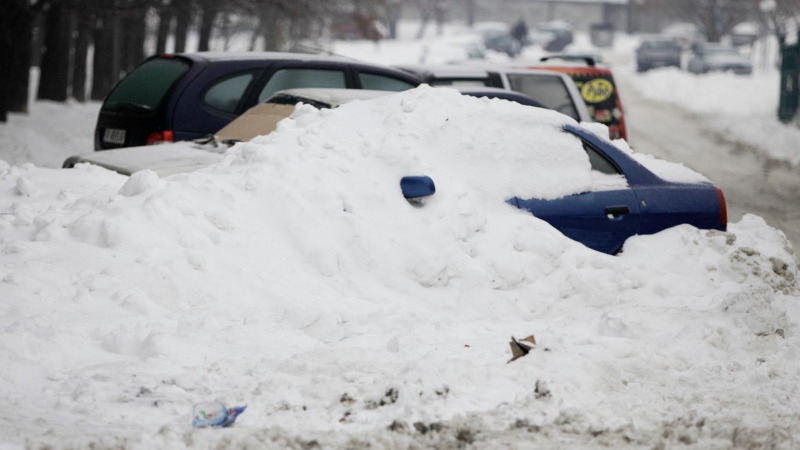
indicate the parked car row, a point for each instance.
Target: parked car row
{"x":187,"y":96}
{"x":212,"y":100}
{"x":664,"y":51}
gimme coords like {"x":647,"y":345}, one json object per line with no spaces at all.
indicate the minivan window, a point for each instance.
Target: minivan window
{"x":548,"y":90}
{"x":302,"y":78}
{"x":144,"y":88}
{"x":383,"y":83}
{"x":226,"y":94}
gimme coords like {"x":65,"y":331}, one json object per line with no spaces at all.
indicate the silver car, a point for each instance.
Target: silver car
{"x":657,"y":52}
{"x":719,"y":58}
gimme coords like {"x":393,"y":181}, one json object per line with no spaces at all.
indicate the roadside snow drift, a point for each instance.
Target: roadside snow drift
{"x":293,"y":277}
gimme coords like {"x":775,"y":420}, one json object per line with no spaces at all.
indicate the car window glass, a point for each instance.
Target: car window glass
{"x":547,"y":90}
{"x":302,"y":78}
{"x":383,"y":83}
{"x":599,"y":162}
{"x":226,"y":94}
{"x":455,"y":82}
{"x":145,"y":87}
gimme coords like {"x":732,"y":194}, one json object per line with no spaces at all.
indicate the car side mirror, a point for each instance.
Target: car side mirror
{"x":417,"y":187}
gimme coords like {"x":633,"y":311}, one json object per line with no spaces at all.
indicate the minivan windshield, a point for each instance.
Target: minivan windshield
{"x":144,"y":88}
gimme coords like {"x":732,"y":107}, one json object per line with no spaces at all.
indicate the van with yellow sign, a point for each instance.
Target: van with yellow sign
{"x":596,"y":85}
{"x":553,"y":90}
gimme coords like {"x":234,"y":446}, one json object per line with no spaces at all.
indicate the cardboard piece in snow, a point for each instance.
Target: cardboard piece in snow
{"x":257,"y":121}
{"x":520,"y":348}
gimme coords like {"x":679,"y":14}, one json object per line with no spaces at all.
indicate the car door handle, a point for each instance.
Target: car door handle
{"x":616,"y":212}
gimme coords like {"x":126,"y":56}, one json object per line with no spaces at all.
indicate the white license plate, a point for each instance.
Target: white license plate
{"x":114,"y":136}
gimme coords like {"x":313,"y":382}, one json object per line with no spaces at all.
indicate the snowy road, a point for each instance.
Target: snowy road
{"x":752,"y":183}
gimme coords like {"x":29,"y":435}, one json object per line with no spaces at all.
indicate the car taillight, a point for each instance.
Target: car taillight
{"x":723,"y":209}
{"x":160,"y":137}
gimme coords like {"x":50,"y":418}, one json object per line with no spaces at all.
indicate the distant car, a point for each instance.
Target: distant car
{"x":744,"y":34}
{"x":686,"y":34}
{"x":560,"y":32}
{"x":554,"y":90}
{"x":658,"y":51}
{"x":633,"y":199}
{"x":187,"y":96}
{"x":597,"y":87}
{"x":503,"y":43}
{"x":719,"y":58}
{"x":602,"y":34}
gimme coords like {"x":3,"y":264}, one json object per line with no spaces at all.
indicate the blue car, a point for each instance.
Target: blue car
{"x":603,"y":220}
{"x":181,"y":97}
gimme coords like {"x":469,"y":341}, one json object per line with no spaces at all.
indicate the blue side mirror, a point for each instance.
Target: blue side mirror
{"x":417,"y":187}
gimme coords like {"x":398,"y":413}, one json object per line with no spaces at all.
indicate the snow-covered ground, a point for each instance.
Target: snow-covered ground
{"x":51,"y":133}
{"x":295,"y":279}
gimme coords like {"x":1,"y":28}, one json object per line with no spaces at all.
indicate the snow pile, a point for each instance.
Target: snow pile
{"x":294,"y":277}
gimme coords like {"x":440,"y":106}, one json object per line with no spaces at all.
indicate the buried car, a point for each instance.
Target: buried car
{"x":536,"y":160}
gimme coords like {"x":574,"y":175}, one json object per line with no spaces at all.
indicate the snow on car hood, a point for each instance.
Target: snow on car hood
{"x":294,"y":277}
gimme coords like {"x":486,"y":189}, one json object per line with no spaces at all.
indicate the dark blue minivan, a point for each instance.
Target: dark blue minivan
{"x":188,"y":96}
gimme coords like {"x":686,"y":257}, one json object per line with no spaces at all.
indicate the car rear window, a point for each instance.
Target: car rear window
{"x":144,"y":88}
{"x":302,"y":78}
{"x":547,"y":90}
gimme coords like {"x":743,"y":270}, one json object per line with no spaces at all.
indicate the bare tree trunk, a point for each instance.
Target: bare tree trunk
{"x":16,"y":32}
{"x":470,"y":12}
{"x":271,"y":30}
{"x":394,"y":10}
{"x":82,"y":43}
{"x":425,"y":16}
{"x":164,"y":25}
{"x":206,"y":25}
{"x":183,"y":19}
{"x":54,"y":77}
{"x":105,"y":64}
{"x":439,"y":13}
{"x":132,"y":30}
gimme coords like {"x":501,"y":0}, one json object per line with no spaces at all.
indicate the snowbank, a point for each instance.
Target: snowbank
{"x":294,"y":277}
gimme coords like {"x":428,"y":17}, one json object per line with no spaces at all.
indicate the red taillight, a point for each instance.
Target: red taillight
{"x":723,"y":209}
{"x":160,"y":137}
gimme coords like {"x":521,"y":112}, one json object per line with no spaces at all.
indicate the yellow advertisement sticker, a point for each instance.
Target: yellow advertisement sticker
{"x":597,"y":90}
